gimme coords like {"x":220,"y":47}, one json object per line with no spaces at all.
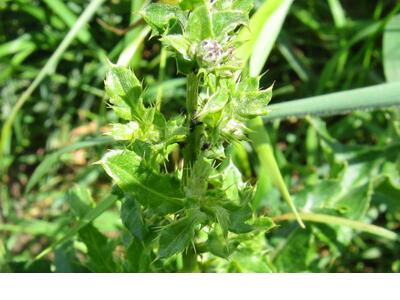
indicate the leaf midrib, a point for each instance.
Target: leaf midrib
{"x":174,"y":200}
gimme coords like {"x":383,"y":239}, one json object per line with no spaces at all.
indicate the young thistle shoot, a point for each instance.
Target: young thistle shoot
{"x":205,"y":195}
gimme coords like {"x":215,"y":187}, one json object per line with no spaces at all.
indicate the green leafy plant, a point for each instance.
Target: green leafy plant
{"x":183,"y":193}
{"x":199,"y":159}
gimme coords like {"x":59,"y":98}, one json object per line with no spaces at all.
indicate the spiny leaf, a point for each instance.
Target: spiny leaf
{"x":99,"y":250}
{"x":224,"y":22}
{"x":131,"y":216}
{"x":177,"y":42}
{"x":162,"y":16}
{"x":199,"y":25}
{"x":176,"y":237}
{"x":254,"y":104}
{"x":124,"y":90}
{"x":161,"y":193}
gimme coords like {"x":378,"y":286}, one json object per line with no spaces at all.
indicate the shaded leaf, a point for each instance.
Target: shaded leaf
{"x":99,"y":250}
{"x":161,"y":193}
{"x":124,"y":90}
{"x":177,"y":236}
{"x":199,"y":25}
{"x":131,"y":216}
{"x":162,"y":16}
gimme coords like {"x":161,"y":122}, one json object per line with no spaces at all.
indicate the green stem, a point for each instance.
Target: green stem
{"x":262,"y":145}
{"x":326,"y":219}
{"x":368,"y":98}
{"x":194,"y":131}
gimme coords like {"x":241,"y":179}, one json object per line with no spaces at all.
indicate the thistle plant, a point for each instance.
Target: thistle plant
{"x":184,"y":197}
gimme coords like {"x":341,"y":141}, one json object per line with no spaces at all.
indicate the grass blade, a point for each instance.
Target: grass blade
{"x":262,"y":33}
{"x":333,"y":220}
{"x":368,"y":98}
{"x":65,"y":14}
{"x":44,"y":167}
{"x":48,"y":68}
{"x":129,"y":52}
{"x":88,"y":218}
{"x":391,"y":46}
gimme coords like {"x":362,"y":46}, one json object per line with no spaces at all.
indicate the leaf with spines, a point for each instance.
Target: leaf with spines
{"x":215,"y":22}
{"x":178,"y":43}
{"x":210,"y":113}
{"x":175,"y":237}
{"x":99,"y":250}
{"x":161,"y":17}
{"x":161,"y":193}
{"x":124,"y":90}
{"x":253,"y":104}
{"x":199,"y":25}
{"x":131,"y":216}
{"x":224,"y":22}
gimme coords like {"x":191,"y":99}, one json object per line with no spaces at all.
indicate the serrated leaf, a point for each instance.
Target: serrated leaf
{"x":124,"y":90}
{"x":263,"y":224}
{"x":131,"y":216}
{"x":240,"y":5}
{"x":218,"y":245}
{"x":197,"y":184}
{"x":224,"y":22}
{"x":294,"y":255}
{"x":238,"y":219}
{"x":99,"y":250}
{"x":209,"y":113}
{"x":250,"y":257}
{"x":243,"y":5}
{"x":124,"y":132}
{"x":254,"y":104}
{"x":178,"y":43}
{"x":162,"y":16}
{"x":161,"y":193}
{"x":199,"y":25}
{"x":138,"y":257}
{"x":222,"y":216}
{"x":232,"y":181}
{"x":175,"y":237}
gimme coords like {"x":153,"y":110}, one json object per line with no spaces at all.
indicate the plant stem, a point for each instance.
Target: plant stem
{"x":326,"y":219}
{"x":194,"y":130}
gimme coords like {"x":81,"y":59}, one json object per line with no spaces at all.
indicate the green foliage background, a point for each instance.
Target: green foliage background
{"x":52,"y":193}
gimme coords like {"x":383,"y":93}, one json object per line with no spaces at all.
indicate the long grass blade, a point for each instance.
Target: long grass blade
{"x":391,"y":46}
{"x":333,"y":220}
{"x":369,"y":98}
{"x":88,"y":218}
{"x":45,"y":166}
{"x":47,"y":69}
{"x":259,"y":39}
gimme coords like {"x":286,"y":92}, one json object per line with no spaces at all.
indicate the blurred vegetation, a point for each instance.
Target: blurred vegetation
{"x":350,"y":161}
